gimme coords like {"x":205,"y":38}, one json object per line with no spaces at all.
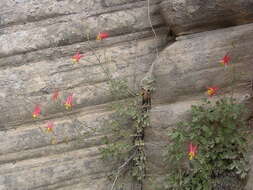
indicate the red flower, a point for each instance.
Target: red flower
{"x":69,"y":102}
{"x":192,"y":151}
{"x":212,"y":90}
{"x":225,"y":60}
{"x":49,"y":126}
{"x":55,"y":95}
{"x":36,"y":111}
{"x":77,"y":57}
{"x":102,"y":35}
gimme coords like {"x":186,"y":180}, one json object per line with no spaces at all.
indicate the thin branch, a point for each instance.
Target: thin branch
{"x":98,"y":59}
{"x":109,"y":77}
{"x":121,"y":168}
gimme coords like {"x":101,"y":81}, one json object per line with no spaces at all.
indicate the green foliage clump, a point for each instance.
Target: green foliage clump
{"x":221,"y":161}
{"x":124,"y":144}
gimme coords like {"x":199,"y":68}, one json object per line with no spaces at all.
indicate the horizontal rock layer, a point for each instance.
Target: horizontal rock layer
{"x":192,"y":64}
{"x":27,"y":85}
{"x":192,"y":16}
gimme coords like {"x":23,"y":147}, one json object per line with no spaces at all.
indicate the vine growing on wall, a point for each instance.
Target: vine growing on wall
{"x":125,"y":142}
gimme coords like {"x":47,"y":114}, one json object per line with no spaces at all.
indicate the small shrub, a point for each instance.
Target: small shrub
{"x":220,"y":160}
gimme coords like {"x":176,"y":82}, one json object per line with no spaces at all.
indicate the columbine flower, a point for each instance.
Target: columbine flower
{"x":225,"y":60}
{"x":36,"y":111}
{"x":77,"y":57}
{"x":102,"y":35}
{"x":55,"y":95}
{"x":212,"y":90}
{"x":192,"y":151}
{"x":49,"y":127}
{"x":69,"y":102}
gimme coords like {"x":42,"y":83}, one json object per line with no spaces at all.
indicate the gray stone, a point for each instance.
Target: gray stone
{"x":38,"y":39}
{"x":192,"y":16}
{"x":191,"y":64}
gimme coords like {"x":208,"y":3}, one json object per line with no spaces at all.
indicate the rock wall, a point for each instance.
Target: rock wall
{"x":38,"y":38}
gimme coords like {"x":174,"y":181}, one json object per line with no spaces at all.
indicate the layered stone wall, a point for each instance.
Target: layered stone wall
{"x":38,"y":38}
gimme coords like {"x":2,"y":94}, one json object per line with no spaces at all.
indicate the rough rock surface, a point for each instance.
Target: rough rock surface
{"x":38,"y":38}
{"x":191,"y":64}
{"x":191,"y":16}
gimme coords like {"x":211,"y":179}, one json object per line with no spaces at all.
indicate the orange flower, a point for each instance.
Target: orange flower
{"x":225,"y":60}
{"x":49,"y":126}
{"x":212,"y":90}
{"x":55,"y":95}
{"x":102,"y":35}
{"x":36,"y":111}
{"x":69,"y":102}
{"x":77,"y":57}
{"x":192,"y":151}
